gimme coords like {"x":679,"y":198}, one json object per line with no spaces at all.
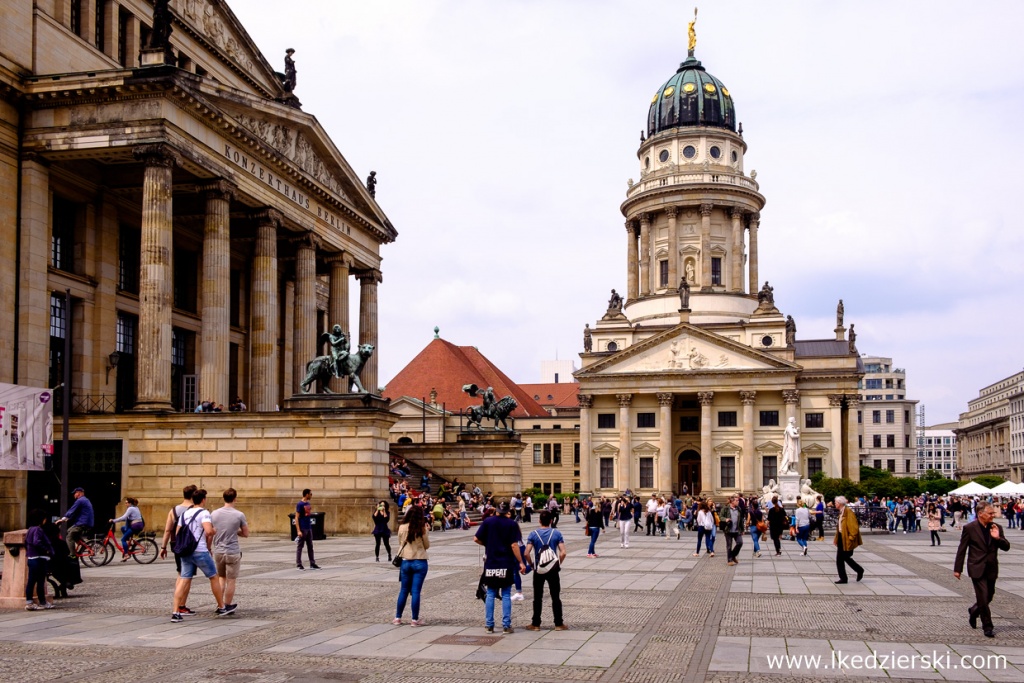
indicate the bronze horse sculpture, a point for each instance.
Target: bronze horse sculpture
{"x":321,"y":369}
{"x":499,"y":412}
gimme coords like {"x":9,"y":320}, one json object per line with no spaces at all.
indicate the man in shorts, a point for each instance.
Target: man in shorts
{"x":170,"y":525}
{"x":197,"y":520}
{"x":228,"y":524}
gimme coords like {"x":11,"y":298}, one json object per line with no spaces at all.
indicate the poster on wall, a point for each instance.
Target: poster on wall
{"x":26,"y":418}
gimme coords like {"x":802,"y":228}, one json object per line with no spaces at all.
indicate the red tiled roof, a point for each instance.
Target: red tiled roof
{"x":445,"y":367}
{"x":562,"y":395}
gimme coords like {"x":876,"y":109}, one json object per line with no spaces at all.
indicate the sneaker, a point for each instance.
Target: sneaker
{"x":185,"y":611}
{"x":805,"y":550}
{"x":731,"y":564}
{"x":32,"y":607}
{"x":507,"y":630}
{"x":531,"y":627}
{"x":397,"y":621}
{"x":417,"y":622}
{"x":300,"y":567}
{"x":176,"y":618}
{"x":226,"y":609}
{"x":591,"y":555}
{"x":561,"y":627}
{"x":517,"y":597}
{"x":489,"y":629}
{"x":315,"y":566}
{"x":232,"y":607}
{"x":757,"y":554}
{"x":49,"y":605}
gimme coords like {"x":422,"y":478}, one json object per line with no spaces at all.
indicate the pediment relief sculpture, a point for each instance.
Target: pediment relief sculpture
{"x":685,"y":353}
{"x":206,"y":18}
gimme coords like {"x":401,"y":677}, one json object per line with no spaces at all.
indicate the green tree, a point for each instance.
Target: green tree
{"x":989,"y":481}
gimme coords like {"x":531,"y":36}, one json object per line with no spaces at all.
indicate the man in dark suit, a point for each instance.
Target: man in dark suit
{"x":985,"y":539}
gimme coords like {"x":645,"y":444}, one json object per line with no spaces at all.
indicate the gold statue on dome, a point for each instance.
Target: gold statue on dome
{"x":693,"y":33}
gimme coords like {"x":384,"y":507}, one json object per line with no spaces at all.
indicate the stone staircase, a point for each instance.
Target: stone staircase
{"x":415,"y":477}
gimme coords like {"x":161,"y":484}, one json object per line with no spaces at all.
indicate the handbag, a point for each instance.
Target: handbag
{"x":762,"y":527}
{"x":398,"y":558}
{"x":586,"y":531}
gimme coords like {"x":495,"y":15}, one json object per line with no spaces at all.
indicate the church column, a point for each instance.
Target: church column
{"x":585,"y":401}
{"x":749,"y":456}
{"x":835,"y":419}
{"x":754,"y":282}
{"x":791,"y":397}
{"x":664,"y":484}
{"x":264,"y":325}
{"x":707,"y":481}
{"x":632,"y":278}
{"x":304,"y":336}
{"x":368,"y":281}
{"x":852,"y":469}
{"x":705,"y":246}
{"x":156,"y":279}
{"x":673,"y":247}
{"x":645,"y":254}
{"x":338,"y":305}
{"x":216,"y":288}
{"x":737,"y":251}
{"x":625,"y":451}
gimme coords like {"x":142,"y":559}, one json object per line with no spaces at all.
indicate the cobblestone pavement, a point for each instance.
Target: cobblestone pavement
{"x":651,"y":613}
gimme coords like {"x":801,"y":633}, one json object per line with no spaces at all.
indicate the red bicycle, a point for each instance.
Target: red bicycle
{"x":141,"y":549}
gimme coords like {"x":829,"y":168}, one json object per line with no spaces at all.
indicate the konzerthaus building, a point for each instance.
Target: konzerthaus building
{"x":207,"y":229}
{"x":691,"y":380}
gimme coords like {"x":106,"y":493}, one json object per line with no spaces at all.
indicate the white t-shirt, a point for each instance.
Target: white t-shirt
{"x":652,"y":506}
{"x":803,"y":517}
{"x":194,"y":519}
{"x":706,"y":519}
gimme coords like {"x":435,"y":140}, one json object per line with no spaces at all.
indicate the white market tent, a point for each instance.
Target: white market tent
{"x":970,"y":489}
{"x":1008,"y":488}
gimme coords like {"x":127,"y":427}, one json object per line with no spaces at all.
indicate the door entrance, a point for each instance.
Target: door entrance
{"x":689,"y":472}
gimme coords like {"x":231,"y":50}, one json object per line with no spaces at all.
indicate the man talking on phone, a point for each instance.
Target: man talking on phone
{"x":985,"y":539}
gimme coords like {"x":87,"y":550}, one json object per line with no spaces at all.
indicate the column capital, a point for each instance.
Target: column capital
{"x":631,"y":226}
{"x":852,"y":400}
{"x":624,"y":400}
{"x":308,"y":240}
{"x":705,"y":209}
{"x":672,"y":211}
{"x":790,"y":396}
{"x":585,"y":400}
{"x":35,"y":158}
{"x":754,"y":219}
{"x":736,"y":213}
{"x":747,"y":397}
{"x":342,"y":258}
{"x":835,"y":400}
{"x":218,"y":189}
{"x":369,"y":276}
{"x":159,"y":154}
{"x":705,"y":398}
{"x":665,"y":399}
{"x":268,"y":216}
{"x":645,"y":219}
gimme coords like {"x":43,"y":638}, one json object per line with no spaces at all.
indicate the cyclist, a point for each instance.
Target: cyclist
{"x":133,"y":524}
{"x":79,"y":518}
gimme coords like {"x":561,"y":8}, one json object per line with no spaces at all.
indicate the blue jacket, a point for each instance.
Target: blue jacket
{"x":80,"y":514}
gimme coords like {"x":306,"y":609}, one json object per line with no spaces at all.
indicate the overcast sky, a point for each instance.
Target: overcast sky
{"x":887,"y":138}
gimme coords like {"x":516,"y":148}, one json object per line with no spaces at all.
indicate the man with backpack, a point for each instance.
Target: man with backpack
{"x":170,"y":525}
{"x":192,"y":541}
{"x":545,"y":551}
{"x":672,"y":512}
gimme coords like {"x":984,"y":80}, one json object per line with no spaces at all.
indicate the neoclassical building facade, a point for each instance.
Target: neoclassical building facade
{"x":204,"y":228}
{"x":690,"y":380}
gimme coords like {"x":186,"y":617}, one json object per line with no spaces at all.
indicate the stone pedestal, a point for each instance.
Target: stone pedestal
{"x":684,"y":315}
{"x":789,"y":488}
{"x":12,"y":588}
{"x":155,"y":56}
{"x":840,"y":333}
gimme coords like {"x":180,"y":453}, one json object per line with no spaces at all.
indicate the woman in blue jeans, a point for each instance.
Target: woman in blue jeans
{"x":414,"y":540}
{"x":595,"y":520}
{"x":755,"y":517}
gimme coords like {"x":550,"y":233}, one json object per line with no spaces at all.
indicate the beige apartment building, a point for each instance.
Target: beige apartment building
{"x":887,"y":419}
{"x":206,"y":228}
{"x":983,"y":432}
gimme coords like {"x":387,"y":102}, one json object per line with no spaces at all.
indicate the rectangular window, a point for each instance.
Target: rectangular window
{"x":536,"y":454}
{"x":877,"y":464}
{"x":689,"y":423}
{"x":547,"y":488}
{"x":726,"y":418}
{"x":606,"y":420}
{"x":769,"y":469}
{"x":769,"y":418}
{"x":890,"y":441}
{"x":876,"y":417}
{"x":890,"y":465}
{"x":556,"y":454}
{"x":576,"y":454}
{"x":607,"y":473}
{"x":876,"y":440}
{"x":814,"y":420}
{"x":813,"y":466}
{"x":547,"y":454}
{"x":873,"y":384}
{"x":126,"y":334}
{"x":101,"y":26}
{"x":647,"y":473}
{"x":906,"y":417}
{"x":122,"y":35}
{"x":58,"y":329}
{"x":860,"y":417}
{"x":860,"y":441}
{"x":645,"y":420}
{"x":906,"y":440}
{"x":663,"y":273}
{"x":75,"y":16}
{"x":888,"y":383}
{"x":890,"y":417}
{"x":129,"y":248}
{"x":556,"y":488}
{"x":716,"y":271}
{"x":62,"y":238}
{"x":728,"y":472}
{"x":907,"y":463}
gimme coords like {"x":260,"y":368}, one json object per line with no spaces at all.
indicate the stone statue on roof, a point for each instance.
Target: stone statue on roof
{"x":588,"y":339}
{"x":853,"y":339}
{"x":371,"y":184}
{"x":289,"y":71}
{"x":790,"y":331}
{"x":684,"y":294}
{"x":615,"y":302}
{"x":839,"y":314}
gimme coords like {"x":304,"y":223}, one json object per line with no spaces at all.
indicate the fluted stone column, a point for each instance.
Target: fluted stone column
{"x":156,"y":273}
{"x":304,"y":335}
{"x":749,"y":457}
{"x":737,"y":251}
{"x":645,"y":254}
{"x":852,"y":469}
{"x":705,"y":245}
{"x":632,"y":287}
{"x":664,"y":484}
{"x":625,"y":451}
{"x":673,"y":247}
{"x":586,"y":484}
{"x":835,"y":420}
{"x":755,"y":220}
{"x":791,"y":397}
{"x":265,"y":314}
{"x":337,"y":305}
{"x":708,"y":485}
{"x":368,"y":281}
{"x":216,"y":289}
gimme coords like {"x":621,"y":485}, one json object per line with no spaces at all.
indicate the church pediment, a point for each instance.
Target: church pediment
{"x":410,"y":407}
{"x":814,"y":450}
{"x":645,"y":449}
{"x":685,"y":348}
{"x":769,"y":448}
{"x":606,"y":449}
{"x":727,"y":448}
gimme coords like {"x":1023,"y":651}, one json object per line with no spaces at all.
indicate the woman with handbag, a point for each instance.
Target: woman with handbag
{"x":594,"y":522}
{"x":133,"y":524}
{"x":414,"y":538}
{"x":382,"y":529}
{"x":705,"y":525}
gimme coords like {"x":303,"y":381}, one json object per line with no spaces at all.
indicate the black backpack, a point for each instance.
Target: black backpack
{"x":185,"y":542}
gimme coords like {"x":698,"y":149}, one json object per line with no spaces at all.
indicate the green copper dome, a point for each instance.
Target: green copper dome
{"x":692,"y":97}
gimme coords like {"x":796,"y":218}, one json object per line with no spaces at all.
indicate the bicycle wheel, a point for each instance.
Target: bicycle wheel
{"x":145,"y":551}
{"x":93,"y":553}
{"x":108,"y":553}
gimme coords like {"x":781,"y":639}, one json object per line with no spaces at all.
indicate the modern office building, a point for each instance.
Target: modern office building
{"x":936,"y":450}
{"x":887,"y":419}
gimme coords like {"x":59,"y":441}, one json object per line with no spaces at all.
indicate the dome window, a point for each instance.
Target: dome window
{"x":669,"y":91}
{"x":709,"y":88}
{"x":612,"y":346}
{"x":766,"y":340}
{"x":689,"y":151}
{"x":735,"y":156}
{"x":715,"y":152}
{"x":647,"y":162}
{"x":663,"y":156}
